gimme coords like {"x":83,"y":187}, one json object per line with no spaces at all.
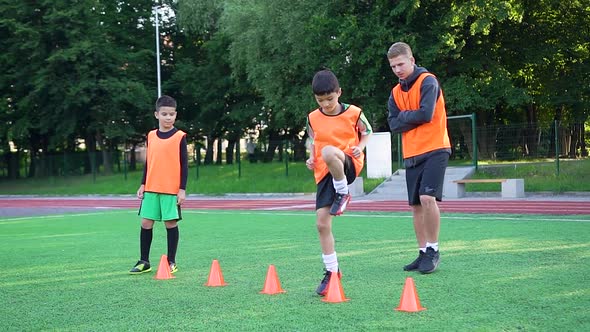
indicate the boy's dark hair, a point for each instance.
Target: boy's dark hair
{"x":324,"y":82}
{"x":165,"y":101}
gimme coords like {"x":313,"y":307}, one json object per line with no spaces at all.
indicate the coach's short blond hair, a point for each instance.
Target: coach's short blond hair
{"x":399,"y":48}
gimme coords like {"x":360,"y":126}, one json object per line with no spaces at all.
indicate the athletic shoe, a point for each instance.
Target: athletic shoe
{"x":323,"y":287}
{"x":413,"y":266}
{"x":173,"y":267}
{"x":430,"y":261}
{"x":339,"y":204}
{"x":141,"y":267}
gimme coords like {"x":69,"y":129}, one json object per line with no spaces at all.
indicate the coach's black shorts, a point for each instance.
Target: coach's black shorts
{"x":425,"y":175}
{"x":325,"y":192}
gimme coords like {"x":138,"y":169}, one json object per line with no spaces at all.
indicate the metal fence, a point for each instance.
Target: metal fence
{"x":470,"y":144}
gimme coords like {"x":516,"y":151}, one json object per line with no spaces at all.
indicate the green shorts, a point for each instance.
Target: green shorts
{"x":159,"y":207}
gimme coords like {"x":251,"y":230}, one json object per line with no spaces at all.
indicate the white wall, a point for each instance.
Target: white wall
{"x":379,"y":156}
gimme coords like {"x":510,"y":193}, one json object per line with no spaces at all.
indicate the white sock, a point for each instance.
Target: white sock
{"x":423,"y":249}
{"x":433,"y":245}
{"x":331,"y":262}
{"x":341,"y":186}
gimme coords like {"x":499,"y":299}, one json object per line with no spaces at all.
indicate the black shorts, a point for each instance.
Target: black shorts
{"x":325,"y":191}
{"x":425,"y":175}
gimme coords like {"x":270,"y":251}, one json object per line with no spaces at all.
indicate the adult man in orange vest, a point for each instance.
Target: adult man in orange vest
{"x":417,"y":110}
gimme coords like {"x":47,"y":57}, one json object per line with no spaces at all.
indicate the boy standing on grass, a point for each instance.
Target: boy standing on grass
{"x":163,"y":186}
{"x":417,"y":110}
{"x":338,"y":134}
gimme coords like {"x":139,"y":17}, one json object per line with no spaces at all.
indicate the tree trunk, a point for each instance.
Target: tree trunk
{"x":531,"y":147}
{"x":583,"y":147}
{"x":487,"y":133}
{"x":273,"y":143}
{"x":133,"y":157}
{"x":229,"y":151}
{"x":106,"y":156}
{"x":238,"y":152}
{"x":574,"y":140}
{"x":198,"y":154}
{"x":39,"y":165}
{"x":13,"y":164}
{"x":300,"y":151}
{"x":465,"y":130}
{"x":209,"y":151}
{"x":219,"y":158}
{"x":280,"y":149}
{"x":554,"y":130}
{"x":91,"y":165}
{"x":487,"y":143}
{"x":33,"y":154}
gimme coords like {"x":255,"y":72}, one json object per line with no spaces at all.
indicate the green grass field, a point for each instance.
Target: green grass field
{"x":574,"y":175}
{"x":207,"y":180}
{"x":497,"y":273}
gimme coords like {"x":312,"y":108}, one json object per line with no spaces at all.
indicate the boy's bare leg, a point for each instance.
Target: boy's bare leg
{"x":171,"y":224}
{"x":147,"y":223}
{"x":324,"y":225}
{"x":334,"y":158}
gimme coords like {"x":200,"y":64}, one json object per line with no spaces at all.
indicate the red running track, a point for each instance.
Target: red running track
{"x":556,"y":207}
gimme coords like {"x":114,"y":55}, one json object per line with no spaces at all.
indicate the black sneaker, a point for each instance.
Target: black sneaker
{"x":413,"y":266}
{"x":339,"y":204}
{"x":141,"y":267}
{"x":173,"y":268}
{"x":323,"y":287}
{"x":430,"y":261}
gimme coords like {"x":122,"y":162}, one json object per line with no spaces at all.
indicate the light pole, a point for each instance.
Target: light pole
{"x":158,"y":50}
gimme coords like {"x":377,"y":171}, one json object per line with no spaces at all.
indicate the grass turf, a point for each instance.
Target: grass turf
{"x":574,"y":176}
{"x":497,"y":272}
{"x":208,"y":180}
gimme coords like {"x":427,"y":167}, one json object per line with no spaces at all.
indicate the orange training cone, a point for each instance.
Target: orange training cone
{"x":335,"y":292}
{"x":272,"y":285}
{"x":215,"y":276}
{"x":164,"y":269}
{"x":410,"y":301}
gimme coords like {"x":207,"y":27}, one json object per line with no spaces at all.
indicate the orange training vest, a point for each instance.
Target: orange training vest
{"x":427,"y":136}
{"x":163,"y":163}
{"x":340,"y":131}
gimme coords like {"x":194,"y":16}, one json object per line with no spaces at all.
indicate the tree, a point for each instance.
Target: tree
{"x":82,"y":76}
{"x":222,"y":106}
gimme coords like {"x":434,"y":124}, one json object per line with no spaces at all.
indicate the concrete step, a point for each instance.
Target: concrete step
{"x":395,"y":187}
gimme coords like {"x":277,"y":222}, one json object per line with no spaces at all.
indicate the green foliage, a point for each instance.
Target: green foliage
{"x":270,"y":46}
{"x":79,"y":73}
{"x":200,"y":16}
{"x":85,"y":70}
